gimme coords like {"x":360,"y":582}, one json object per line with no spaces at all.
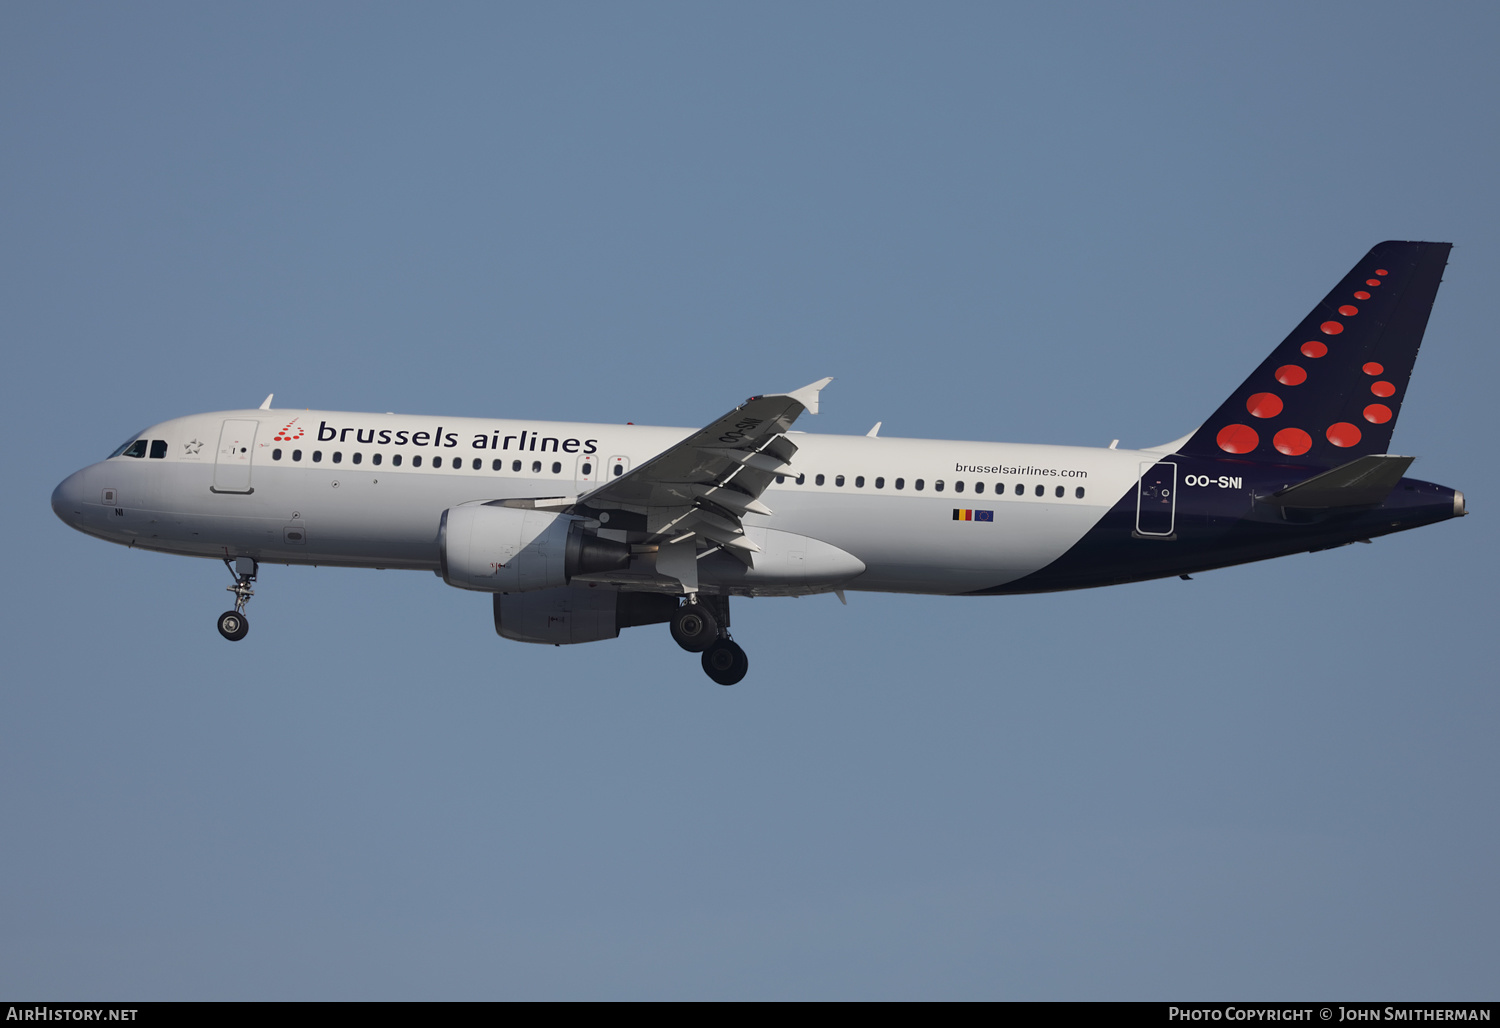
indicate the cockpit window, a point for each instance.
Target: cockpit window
{"x":135,"y":449}
{"x":127,"y":444}
{"x":158,"y":449}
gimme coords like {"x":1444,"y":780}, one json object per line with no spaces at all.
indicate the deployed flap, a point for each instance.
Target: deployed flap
{"x":705,"y":483}
{"x":1359,"y":483}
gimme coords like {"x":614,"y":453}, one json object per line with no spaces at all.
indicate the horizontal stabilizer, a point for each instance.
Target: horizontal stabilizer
{"x":1360,"y":483}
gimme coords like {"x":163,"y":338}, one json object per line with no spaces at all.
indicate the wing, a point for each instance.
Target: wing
{"x":700,"y":489}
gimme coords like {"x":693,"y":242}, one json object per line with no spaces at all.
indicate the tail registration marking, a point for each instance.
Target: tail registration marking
{"x":1223,"y":481}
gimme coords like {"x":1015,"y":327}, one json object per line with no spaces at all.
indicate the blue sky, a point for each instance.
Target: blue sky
{"x":1062,"y":223}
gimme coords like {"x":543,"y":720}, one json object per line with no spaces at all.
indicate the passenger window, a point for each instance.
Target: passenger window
{"x":358,"y":457}
{"x":515,"y":465}
{"x":297,"y":455}
{"x":275,"y":454}
{"x":859,"y":482}
{"x":497,"y":464}
{"x":1060,"y":492}
{"x":536,"y":467}
{"x":588,"y":468}
{"x":781,"y":480}
{"x":416,"y":461}
{"x":619,"y":470}
{"x":1078,"y":492}
{"x":979,"y":487}
{"x":437,"y":462}
{"x":375,"y":458}
{"x":818,"y":480}
{"x":396,"y":460}
{"x":317,"y":456}
{"x":999,"y":488}
{"x":958,"y":487}
{"x":1041,"y":490}
{"x":1020,"y":489}
{"x":918,"y":484}
{"x":938,"y":485}
{"x":557,"y":467}
{"x":136,"y":449}
{"x":159,"y":449}
{"x":801,"y":479}
{"x":338,"y":456}
{"x":839,"y":481}
{"x":880,"y":483}
{"x":900,"y":483}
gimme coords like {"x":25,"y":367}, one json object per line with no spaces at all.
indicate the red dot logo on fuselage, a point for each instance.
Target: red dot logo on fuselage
{"x":1238,"y":439}
{"x":286,"y":435}
{"x":1264,"y":405}
{"x":1292,"y":441}
{"x":1344,"y":434}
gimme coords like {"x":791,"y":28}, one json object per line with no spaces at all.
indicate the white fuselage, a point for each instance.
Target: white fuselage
{"x":368,"y":490}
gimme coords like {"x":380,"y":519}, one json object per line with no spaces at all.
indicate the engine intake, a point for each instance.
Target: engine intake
{"x":495,"y":549}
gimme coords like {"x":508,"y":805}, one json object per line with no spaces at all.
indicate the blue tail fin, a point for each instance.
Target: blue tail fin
{"x":1333,"y":388}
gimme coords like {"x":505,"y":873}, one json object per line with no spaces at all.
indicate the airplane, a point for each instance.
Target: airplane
{"x":579,"y":531}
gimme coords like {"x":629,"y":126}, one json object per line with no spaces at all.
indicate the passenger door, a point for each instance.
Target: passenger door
{"x":232,"y":461}
{"x":1156,"y":500}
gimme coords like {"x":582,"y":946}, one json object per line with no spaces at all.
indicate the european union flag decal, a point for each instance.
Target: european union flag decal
{"x":960,"y":514}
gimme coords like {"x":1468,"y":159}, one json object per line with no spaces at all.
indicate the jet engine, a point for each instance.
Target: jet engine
{"x":495,"y":549}
{"x":577,"y":613}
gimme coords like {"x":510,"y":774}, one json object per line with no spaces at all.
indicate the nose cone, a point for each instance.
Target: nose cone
{"x":68,"y":499}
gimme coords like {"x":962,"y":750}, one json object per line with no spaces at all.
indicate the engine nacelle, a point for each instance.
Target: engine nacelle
{"x":577,"y":613}
{"x":489,"y":548}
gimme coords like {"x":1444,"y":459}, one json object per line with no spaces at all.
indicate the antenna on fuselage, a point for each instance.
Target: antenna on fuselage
{"x":266,"y":404}
{"x":875,"y":432}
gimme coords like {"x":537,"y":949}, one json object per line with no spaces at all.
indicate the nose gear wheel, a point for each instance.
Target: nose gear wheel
{"x":233,"y":624}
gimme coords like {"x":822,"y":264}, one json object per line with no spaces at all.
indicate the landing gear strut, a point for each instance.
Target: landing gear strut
{"x":233,"y":625}
{"x":701,"y":625}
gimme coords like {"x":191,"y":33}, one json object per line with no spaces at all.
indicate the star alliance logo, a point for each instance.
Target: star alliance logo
{"x":193,"y":447}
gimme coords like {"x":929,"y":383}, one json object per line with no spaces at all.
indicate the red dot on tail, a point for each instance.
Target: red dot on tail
{"x":1293,"y":442}
{"x":1381,"y":271}
{"x":1290,"y":375}
{"x":1383,"y":388}
{"x":1264,"y":405}
{"x":1374,"y":368}
{"x":1313,"y":348}
{"x":1344,"y":434}
{"x":1238,"y":439}
{"x":1372,"y":281}
{"x":1378,"y":413}
{"x":1361,"y":295}
{"x":1348,"y":310}
{"x":1331,"y":328}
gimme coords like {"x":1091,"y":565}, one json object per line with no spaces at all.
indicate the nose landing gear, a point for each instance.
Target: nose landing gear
{"x":233,"y":625}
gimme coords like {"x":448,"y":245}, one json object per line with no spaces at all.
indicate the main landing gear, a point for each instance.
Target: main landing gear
{"x":701,"y":625}
{"x":233,"y":625}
